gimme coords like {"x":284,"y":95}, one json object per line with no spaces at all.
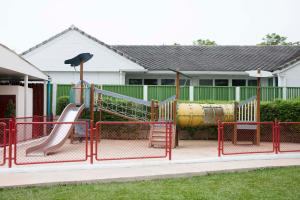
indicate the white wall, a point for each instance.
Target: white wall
{"x":91,"y":77}
{"x":290,"y":77}
{"x":18,"y":91}
{"x":104,"y":67}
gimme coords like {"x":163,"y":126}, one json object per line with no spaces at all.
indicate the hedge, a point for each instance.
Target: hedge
{"x":288,"y":111}
{"x":62,"y":102}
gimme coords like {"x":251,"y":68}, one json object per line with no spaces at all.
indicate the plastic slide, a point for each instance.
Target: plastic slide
{"x":59,"y":133}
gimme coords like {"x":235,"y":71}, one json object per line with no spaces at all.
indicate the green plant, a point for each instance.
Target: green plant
{"x":288,"y":111}
{"x":10,"y":109}
{"x":62,"y":102}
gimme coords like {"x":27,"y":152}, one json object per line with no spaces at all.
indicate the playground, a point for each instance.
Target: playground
{"x":148,"y":129}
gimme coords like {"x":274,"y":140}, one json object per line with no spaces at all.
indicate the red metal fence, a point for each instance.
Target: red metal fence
{"x":131,"y":140}
{"x":40,"y":149}
{"x":288,"y":136}
{"x":258,"y":137}
{"x":112,"y":141}
{"x":3,"y":136}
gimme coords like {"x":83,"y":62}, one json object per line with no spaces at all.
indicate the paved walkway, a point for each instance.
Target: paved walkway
{"x":139,"y":170}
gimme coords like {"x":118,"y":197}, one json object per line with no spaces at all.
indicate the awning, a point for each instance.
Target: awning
{"x":14,"y":67}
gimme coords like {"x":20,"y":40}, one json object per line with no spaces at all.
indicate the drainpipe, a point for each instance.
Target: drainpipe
{"x":25,"y":94}
{"x":49,"y":97}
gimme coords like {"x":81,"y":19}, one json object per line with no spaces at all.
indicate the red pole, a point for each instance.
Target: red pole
{"x":170,"y":142}
{"x":277,"y":132}
{"x":10,"y":136}
{"x":91,"y":141}
{"x":219,"y":140}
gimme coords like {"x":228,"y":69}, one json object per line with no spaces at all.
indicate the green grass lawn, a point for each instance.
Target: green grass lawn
{"x":280,"y":183}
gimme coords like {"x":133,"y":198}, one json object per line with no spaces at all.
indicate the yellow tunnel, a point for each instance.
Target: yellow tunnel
{"x":193,"y":114}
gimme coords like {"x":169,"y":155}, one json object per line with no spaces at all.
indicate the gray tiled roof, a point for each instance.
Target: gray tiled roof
{"x":212,"y":58}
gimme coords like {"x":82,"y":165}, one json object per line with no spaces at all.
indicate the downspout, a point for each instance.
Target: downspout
{"x":49,"y":97}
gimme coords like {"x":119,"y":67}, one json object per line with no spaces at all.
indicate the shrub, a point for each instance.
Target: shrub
{"x":281,"y":110}
{"x":62,"y":102}
{"x":10,"y":109}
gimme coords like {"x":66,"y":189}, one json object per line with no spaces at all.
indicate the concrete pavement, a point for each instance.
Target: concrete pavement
{"x":138,"y":170}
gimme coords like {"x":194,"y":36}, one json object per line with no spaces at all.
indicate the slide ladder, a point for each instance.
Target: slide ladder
{"x":166,"y":112}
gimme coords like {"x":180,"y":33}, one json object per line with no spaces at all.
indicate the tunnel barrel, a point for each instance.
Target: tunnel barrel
{"x":195,"y":114}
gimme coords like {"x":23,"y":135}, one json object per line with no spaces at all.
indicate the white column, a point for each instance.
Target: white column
{"x":284,"y":93}
{"x":25,"y":94}
{"x":237,"y":94}
{"x":120,"y":78}
{"x":191,"y":93}
{"x":54,"y":92}
{"x":45,"y":99}
{"x":145,"y":92}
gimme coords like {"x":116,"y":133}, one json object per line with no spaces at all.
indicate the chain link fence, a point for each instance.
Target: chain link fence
{"x":288,"y":136}
{"x":131,"y":140}
{"x":52,"y":143}
{"x":3,"y":142}
{"x":246,"y":137}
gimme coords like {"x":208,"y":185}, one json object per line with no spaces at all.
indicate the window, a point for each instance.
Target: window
{"x":270,"y":81}
{"x":185,"y":82}
{"x":238,"y":82}
{"x":150,"y":81}
{"x":221,"y":82}
{"x":206,"y":82}
{"x":252,"y":82}
{"x":135,"y":81}
{"x":167,"y":81}
{"x":276,"y":81}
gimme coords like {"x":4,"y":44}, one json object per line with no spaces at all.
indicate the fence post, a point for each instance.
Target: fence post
{"x":191,"y":93}
{"x":276,"y":136}
{"x":284,"y":93}
{"x":10,"y":136}
{"x":91,"y":141}
{"x":219,"y":139}
{"x":238,"y":94}
{"x":145,"y":92}
{"x":170,"y":140}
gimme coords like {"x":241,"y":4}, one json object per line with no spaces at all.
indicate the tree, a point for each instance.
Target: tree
{"x":205,"y":42}
{"x":10,"y":109}
{"x":276,"y":39}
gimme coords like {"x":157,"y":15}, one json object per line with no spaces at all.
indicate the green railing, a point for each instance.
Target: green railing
{"x":214,"y":93}
{"x":162,"y":92}
{"x":128,"y":90}
{"x":63,"y":90}
{"x":267,"y":93}
{"x":201,"y":93}
{"x":293,"y":92}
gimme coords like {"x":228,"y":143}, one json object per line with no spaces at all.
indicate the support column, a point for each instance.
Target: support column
{"x":54,"y":92}
{"x":45,"y":99}
{"x":284,"y":93}
{"x":257,"y":139}
{"x":145,"y":92}
{"x":25,"y":94}
{"x":81,"y":83}
{"x":191,"y":93}
{"x":237,"y":94}
{"x":177,"y":99}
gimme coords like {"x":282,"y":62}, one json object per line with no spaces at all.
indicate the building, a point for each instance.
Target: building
{"x":21,"y":83}
{"x":149,"y":65}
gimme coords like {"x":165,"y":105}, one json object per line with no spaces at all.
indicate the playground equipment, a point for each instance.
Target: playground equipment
{"x":59,"y":134}
{"x":193,"y":114}
{"x":71,"y":113}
